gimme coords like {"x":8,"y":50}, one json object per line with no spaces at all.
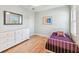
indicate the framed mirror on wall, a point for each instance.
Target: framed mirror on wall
{"x":11,"y":18}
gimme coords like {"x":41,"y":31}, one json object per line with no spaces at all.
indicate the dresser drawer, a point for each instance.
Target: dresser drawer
{"x":3,"y":35}
{"x":3,"y":46}
{"x":2,"y":40}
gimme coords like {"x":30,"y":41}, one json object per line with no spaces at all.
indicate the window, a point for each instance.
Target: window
{"x":73,"y":20}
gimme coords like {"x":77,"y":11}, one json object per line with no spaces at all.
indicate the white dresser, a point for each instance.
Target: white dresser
{"x":11,"y":38}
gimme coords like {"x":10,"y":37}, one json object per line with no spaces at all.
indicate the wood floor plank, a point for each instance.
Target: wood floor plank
{"x":36,"y":44}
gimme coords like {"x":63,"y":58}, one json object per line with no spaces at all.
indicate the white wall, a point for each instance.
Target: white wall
{"x":60,"y":21}
{"x":28,"y":18}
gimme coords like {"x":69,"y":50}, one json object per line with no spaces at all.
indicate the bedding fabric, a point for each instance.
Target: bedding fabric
{"x":61,"y":42}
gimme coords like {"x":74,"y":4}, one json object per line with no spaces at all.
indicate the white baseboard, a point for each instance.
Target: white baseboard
{"x":41,"y":35}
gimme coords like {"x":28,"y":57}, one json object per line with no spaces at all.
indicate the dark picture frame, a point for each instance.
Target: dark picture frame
{"x":11,"y":18}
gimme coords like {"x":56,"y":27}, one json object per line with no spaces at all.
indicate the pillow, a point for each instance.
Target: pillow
{"x":60,"y":33}
{"x":54,"y":33}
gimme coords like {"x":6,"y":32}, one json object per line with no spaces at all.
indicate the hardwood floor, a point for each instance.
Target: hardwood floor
{"x":36,"y":44}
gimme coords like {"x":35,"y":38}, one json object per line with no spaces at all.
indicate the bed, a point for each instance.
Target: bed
{"x":60,"y":42}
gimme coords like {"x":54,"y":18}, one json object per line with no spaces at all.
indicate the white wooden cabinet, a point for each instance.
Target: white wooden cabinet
{"x":3,"y":45}
{"x":18,"y":36}
{"x":25,"y":34}
{"x":3,"y":41}
{"x":11,"y":38}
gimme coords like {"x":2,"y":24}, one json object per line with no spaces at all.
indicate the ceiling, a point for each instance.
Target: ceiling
{"x":39,"y":7}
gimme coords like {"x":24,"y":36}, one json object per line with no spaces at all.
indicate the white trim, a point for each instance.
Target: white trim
{"x":41,"y":35}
